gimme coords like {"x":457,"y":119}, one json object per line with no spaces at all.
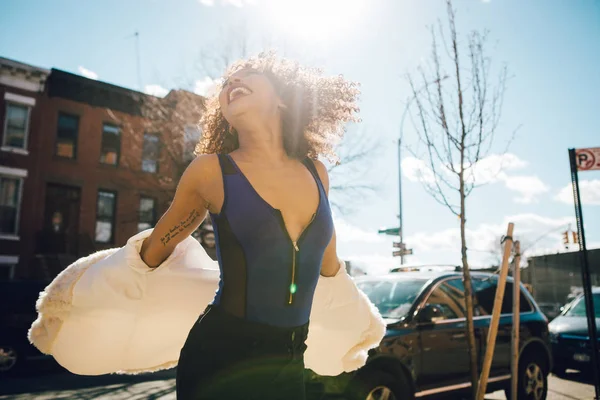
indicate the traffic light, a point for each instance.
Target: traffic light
{"x":575,"y":237}
{"x":565,"y":237}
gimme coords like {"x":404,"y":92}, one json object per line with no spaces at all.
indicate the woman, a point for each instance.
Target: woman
{"x":259,"y":179}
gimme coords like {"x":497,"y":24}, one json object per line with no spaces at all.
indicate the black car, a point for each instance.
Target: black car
{"x":569,"y":336}
{"x":17,"y":313}
{"x":424,"y":352}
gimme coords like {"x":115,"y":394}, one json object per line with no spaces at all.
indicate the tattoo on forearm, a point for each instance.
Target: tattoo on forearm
{"x":177,"y":229}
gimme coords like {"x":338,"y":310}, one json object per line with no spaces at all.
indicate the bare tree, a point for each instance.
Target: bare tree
{"x":455,"y":112}
{"x":349,"y":182}
{"x":351,"y":179}
{"x":496,"y":250}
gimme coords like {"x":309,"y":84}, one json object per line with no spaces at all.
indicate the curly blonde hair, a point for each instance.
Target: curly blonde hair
{"x":317,"y":108}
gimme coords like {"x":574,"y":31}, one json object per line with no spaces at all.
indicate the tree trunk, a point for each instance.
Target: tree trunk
{"x":468,"y":292}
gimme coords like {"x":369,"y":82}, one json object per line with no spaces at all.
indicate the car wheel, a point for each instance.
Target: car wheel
{"x":8,"y":359}
{"x":376,"y":385}
{"x":533,"y":379}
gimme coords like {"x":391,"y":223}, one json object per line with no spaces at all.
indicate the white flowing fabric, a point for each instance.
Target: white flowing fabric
{"x":108,"y":312}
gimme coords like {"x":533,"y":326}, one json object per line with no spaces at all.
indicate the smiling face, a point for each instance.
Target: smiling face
{"x":248,"y":94}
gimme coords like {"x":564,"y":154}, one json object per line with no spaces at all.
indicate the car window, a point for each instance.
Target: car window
{"x":485,"y":294}
{"x":578,"y":309}
{"x":449,"y":298}
{"x":393,"y":298}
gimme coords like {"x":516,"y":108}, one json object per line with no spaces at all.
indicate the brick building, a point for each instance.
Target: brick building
{"x":97,"y":163}
{"x":21,"y":92}
{"x":554,"y":276}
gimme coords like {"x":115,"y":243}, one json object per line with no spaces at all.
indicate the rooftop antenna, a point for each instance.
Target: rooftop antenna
{"x":137,"y":52}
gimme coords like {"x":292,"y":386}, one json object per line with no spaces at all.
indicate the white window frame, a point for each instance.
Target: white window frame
{"x":20,"y":175}
{"x":19,"y":100}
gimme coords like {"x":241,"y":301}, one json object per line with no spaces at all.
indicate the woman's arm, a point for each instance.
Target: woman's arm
{"x":331,"y":263}
{"x":186,"y":213}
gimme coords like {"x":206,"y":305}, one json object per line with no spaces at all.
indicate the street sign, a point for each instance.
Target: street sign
{"x":390,"y":231}
{"x":400,"y":253}
{"x":588,"y":159}
{"x":399,"y":245}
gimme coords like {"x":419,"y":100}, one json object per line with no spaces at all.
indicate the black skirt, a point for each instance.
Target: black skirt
{"x":226,"y":357}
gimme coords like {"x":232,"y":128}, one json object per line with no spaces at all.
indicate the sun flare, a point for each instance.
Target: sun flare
{"x":315,"y":19}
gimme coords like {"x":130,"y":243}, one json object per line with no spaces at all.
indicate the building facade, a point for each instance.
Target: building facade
{"x":100,"y":163}
{"x":553,"y":277}
{"x":21,"y":100}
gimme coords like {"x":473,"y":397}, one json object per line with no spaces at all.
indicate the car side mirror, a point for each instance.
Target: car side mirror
{"x":430,"y":313}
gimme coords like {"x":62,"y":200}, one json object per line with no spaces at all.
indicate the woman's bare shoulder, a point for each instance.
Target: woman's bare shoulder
{"x":205,"y":172}
{"x":323,"y":174}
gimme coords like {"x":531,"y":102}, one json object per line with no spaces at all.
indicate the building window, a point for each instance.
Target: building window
{"x":111,"y":144}
{"x":105,"y":216}
{"x":66,"y":135}
{"x":150,"y":152}
{"x":16,"y":125}
{"x":147,"y":213}
{"x":10,"y":201}
{"x":8,"y":265}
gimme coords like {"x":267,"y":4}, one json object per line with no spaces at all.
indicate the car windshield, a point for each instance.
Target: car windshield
{"x":393,"y":298}
{"x":578,"y":309}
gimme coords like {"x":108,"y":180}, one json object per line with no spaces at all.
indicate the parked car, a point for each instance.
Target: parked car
{"x":569,"y":335}
{"x":550,"y":310}
{"x":17,"y":313}
{"x":425,"y":353}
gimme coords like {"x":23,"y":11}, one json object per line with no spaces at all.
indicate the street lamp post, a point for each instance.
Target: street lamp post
{"x":400,"y":199}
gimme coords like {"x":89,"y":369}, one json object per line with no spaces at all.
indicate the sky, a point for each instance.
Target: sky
{"x":550,"y":47}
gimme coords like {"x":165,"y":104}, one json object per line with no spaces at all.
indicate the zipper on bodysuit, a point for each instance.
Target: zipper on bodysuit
{"x":295,"y":251}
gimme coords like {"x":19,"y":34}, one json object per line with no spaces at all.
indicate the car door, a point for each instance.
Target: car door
{"x":444,"y":349}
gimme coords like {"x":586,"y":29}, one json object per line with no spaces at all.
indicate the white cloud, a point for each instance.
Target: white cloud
{"x":235,"y":3}
{"x":372,"y":252}
{"x":529,"y":187}
{"x":87,"y":73}
{"x":588,"y":189}
{"x":416,"y":170}
{"x":346,"y":232}
{"x":491,"y":169}
{"x":483,"y":240}
{"x":204,"y":86}
{"x":373,"y":263}
{"x":156,"y":90}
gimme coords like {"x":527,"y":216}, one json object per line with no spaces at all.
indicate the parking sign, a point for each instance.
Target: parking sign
{"x":588,"y":159}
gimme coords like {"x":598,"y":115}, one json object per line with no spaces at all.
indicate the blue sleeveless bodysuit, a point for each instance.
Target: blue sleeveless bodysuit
{"x":265,"y":277}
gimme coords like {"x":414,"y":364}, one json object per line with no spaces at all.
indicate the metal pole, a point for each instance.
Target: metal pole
{"x":515,"y":347}
{"x":585,"y":275}
{"x":400,"y":200}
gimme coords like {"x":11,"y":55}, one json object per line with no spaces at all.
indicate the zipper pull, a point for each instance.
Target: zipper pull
{"x":296,"y":246}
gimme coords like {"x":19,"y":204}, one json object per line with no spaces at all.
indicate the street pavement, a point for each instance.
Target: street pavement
{"x":161,"y":386}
